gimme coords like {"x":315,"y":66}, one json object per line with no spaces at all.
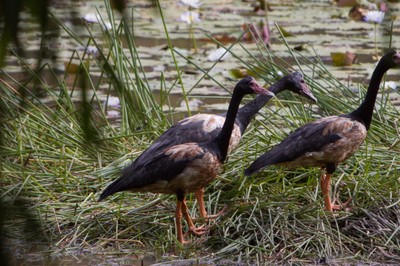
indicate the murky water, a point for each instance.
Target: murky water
{"x":314,"y":26}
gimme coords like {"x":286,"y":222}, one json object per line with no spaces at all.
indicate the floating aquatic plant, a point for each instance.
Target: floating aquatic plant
{"x":191,"y":3}
{"x":115,"y":104}
{"x":343,"y":59}
{"x":96,"y":18}
{"x":219,"y":54}
{"x":392,"y":85}
{"x":191,"y":17}
{"x":376,"y":17}
{"x":91,"y":18}
{"x":255,"y":31}
{"x":91,"y":50}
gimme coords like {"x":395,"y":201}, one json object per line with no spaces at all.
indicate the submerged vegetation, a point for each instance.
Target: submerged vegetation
{"x":57,"y":156}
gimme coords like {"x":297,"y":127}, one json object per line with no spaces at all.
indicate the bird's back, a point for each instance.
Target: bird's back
{"x":327,"y":140}
{"x":153,"y":169}
{"x":198,"y":128}
{"x":183,"y":167}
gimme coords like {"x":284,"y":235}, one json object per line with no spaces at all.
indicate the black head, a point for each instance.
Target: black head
{"x":391,"y":59}
{"x":249,"y":85}
{"x":297,"y":84}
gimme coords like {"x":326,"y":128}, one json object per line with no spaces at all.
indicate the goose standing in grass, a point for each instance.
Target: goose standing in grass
{"x":204,"y":127}
{"x":328,"y":141}
{"x":185,"y":167}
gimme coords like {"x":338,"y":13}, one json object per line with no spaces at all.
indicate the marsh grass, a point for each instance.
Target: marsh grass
{"x":275,"y":216}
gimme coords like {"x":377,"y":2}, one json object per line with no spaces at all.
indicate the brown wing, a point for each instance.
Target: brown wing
{"x":159,"y":170}
{"x":327,"y":140}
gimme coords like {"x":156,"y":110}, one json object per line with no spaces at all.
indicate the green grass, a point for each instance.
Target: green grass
{"x":54,"y":165}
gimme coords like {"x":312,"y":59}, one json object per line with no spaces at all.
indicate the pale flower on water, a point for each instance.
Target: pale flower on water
{"x":113,"y":101}
{"x":374,"y":16}
{"x":92,"y":18}
{"x":189,"y":17}
{"x":90,"y":50}
{"x":191,"y":3}
{"x":107,"y":25}
{"x":392,"y":85}
{"x":193,"y":104}
{"x":95,"y":18}
{"x":113,"y":113}
{"x":218,"y":55}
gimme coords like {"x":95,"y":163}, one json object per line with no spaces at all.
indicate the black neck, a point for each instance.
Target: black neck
{"x":224,"y":135}
{"x":364,"y":112}
{"x":248,"y":111}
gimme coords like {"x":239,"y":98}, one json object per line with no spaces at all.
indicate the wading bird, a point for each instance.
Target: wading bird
{"x":186,"y":167}
{"x":205,"y":127}
{"x":328,"y":141}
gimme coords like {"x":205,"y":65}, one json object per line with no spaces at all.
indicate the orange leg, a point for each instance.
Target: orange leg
{"x":178,"y":222}
{"x":326,"y":187}
{"x":199,"y":231}
{"x":200,"y":200}
{"x":181,"y":210}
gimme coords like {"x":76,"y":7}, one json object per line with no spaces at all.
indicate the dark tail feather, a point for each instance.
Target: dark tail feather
{"x":112,"y":188}
{"x":257,"y":165}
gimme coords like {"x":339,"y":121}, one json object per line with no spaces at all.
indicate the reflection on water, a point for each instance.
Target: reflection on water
{"x":82,"y":259}
{"x":313,"y":25}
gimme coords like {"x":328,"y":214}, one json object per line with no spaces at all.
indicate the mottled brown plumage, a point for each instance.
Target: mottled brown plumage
{"x":204,"y":127}
{"x":328,"y":140}
{"x":184,"y":167}
{"x":331,"y":140}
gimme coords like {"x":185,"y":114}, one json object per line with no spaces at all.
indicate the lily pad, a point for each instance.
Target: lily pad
{"x":343,"y":59}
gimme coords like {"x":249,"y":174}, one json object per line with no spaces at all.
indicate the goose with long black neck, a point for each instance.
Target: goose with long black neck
{"x":185,"y":167}
{"x":293,"y":82}
{"x":331,"y":140}
{"x":205,"y":127}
